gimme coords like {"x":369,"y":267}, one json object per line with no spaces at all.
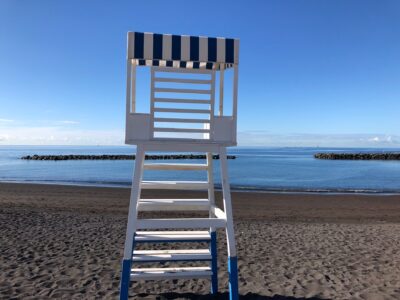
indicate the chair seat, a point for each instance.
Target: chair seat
{"x":180,"y":145}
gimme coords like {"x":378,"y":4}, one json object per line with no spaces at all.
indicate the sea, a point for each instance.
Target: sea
{"x":255,"y":168}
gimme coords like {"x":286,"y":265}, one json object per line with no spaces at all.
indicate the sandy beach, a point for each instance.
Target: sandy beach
{"x":66,"y":242}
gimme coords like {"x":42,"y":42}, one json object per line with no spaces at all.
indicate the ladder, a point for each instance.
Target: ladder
{"x":178,"y":230}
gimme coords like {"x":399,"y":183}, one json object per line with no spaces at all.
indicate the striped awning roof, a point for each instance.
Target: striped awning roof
{"x":182,"y":51}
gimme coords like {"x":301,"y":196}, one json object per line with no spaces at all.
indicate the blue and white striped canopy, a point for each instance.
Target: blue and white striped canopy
{"x":182,"y":51}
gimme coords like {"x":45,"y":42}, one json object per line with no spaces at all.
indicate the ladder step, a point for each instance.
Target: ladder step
{"x":181,"y":223}
{"x":173,"y":204}
{"x":171,"y":255}
{"x":170,"y":273}
{"x":173,"y":185}
{"x":171,"y":236}
{"x":191,"y":167}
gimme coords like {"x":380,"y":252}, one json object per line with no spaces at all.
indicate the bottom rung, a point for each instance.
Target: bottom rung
{"x":170,"y":273}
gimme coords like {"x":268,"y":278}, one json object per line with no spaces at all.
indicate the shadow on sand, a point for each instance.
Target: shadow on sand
{"x":225,"y":296}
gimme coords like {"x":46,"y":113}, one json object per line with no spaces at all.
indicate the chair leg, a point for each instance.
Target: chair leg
{"x":230,"y":234}
{"x":125,"y":279}
{"x":213,"y":244}
{"x":130,"y":230}
{"x":214,"y":263}
{"x":233,"y":278}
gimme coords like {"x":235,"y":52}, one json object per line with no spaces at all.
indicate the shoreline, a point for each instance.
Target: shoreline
{"x":218,"y":188}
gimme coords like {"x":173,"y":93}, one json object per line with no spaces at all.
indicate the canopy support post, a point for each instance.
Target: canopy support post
{"x":221,"y":90}
{"x":133,"y":87}
{"x":130,"y":86}
{"x":235,"y":96}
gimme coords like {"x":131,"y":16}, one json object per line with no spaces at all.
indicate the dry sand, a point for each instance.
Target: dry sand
{"x":64,"y":242}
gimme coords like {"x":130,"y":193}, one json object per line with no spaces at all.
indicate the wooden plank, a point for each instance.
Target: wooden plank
{"x":173,"y":204}
{"x":187,"y":167}
{"x":181,"y":100}
{"x":171,"y":129}
{"x":171,"y":255}
{"x":181,"y":223}
{"x":185,"y":91}
{"x":178,"y":120}
{"x":177,"y":71}
{"x":183,"y":185}
{"x":182,"y":80}
{"x":182,"y":110}
{"x":171,"y":236}
{"x":170,"y":273}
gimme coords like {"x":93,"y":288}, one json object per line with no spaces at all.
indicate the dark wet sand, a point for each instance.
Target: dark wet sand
{"x":66,"y":242}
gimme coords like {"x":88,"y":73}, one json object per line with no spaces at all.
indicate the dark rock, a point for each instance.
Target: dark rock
{"x":359,"y":156}
{"x":119,"y":157}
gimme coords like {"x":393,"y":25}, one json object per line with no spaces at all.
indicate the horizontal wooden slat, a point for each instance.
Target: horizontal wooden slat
{"x":171,"y":255}
{"x":182,"y":100}
{"x":182,"y":80}
{"x":171,"y":236}
{"x":173,"y":204}
{"x":182,"y":110}
{"x":191,"y":71}
{"x":182,"y":185}
{"x":186,"y":91}
{"x":162,"y":166}
{"x":170,"y":273}
{"x":180,"y":223}
{"x":178,"y":120}
{"x":170,"y":129}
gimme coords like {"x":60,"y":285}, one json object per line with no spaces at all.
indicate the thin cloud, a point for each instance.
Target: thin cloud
{"x":264,"y":138}
{"x":68,"y":122}
{"x":57,"y":135}
{"x":6,"y":120}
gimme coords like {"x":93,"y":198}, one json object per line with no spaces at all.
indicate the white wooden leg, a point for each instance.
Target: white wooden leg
{"x":131,"y":226}
{"x":226,"y":191}
{"x":230,"y":233}
{"x":213,"y":233}
{"x":210,"y":180}
{"x":135,"y":194}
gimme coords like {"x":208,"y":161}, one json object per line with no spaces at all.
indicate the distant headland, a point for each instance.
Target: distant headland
{"x":358,"y":156}
{"x":118,"y":157}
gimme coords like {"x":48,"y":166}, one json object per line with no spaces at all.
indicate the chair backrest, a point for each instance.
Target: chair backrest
{"x":182,"y":103}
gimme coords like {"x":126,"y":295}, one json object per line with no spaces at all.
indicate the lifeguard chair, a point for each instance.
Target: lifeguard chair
{"x":183,"y":117}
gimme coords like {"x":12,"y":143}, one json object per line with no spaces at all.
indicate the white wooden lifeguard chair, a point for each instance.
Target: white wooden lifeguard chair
{"x":182,"y":118}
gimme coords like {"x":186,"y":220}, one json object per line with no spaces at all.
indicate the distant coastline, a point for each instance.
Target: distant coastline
{"x":358,"y":156}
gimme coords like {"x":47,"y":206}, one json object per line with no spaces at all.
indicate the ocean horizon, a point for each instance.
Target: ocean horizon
{"x":268,"y":169}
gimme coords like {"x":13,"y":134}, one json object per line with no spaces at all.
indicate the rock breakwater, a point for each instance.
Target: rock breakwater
{"x":358,"y":156}
{"x":118,"y":157}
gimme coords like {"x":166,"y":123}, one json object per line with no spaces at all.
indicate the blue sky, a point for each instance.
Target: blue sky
{"x":312,"y":73}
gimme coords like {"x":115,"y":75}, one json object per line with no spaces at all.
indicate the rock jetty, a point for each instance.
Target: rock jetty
{"x":118,"y":157}
{"x":358,"y":156}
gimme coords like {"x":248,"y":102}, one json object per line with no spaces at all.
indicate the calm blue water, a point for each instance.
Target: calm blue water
{"x":283,"y":169}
